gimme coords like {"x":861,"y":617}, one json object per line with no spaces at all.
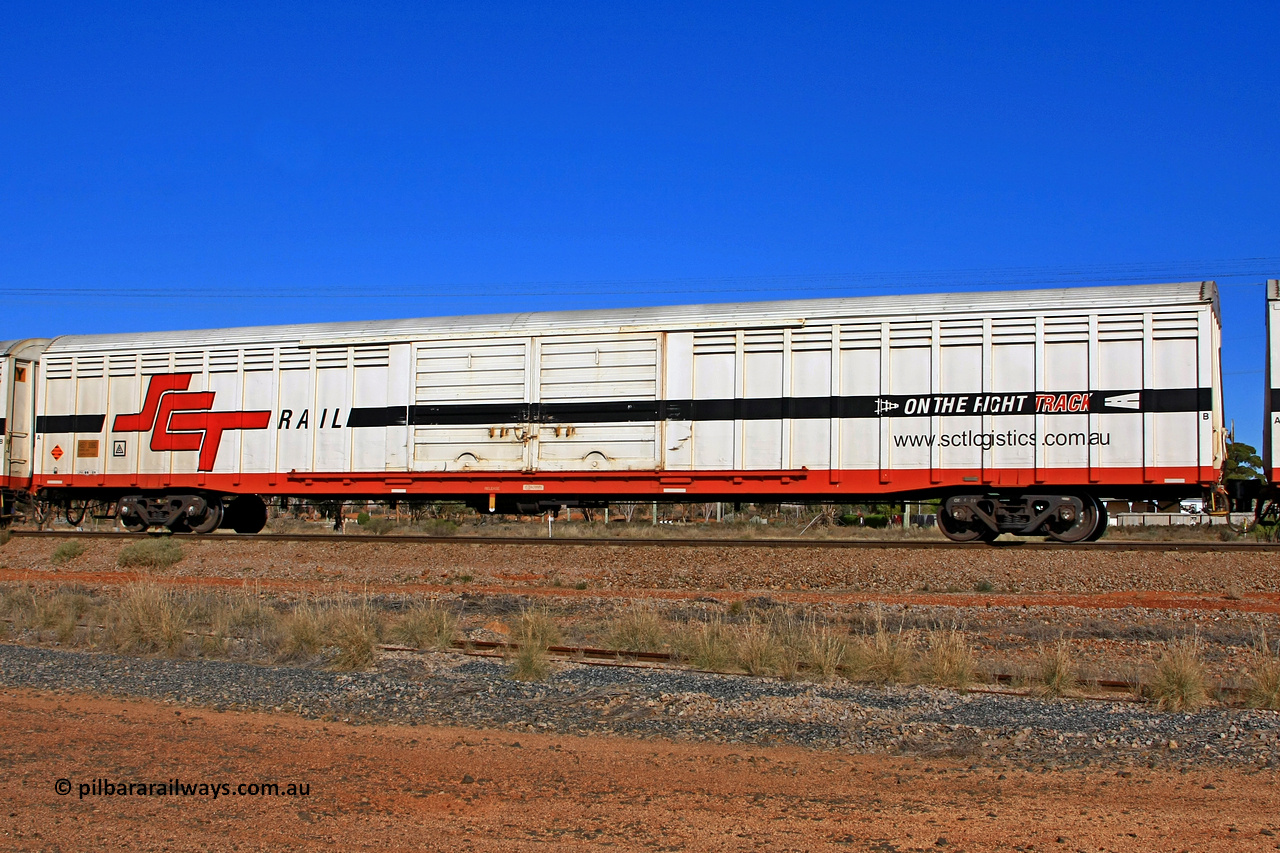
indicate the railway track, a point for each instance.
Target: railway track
{"x":621,"y":542}
{"x":1101,"y":689}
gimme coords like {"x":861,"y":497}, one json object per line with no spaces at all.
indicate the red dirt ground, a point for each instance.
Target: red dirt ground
{"x":417,"y":788}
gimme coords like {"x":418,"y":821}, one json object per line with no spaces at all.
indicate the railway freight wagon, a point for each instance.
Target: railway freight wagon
{"x":1268,"y":505}
{"x":18,"y":371}
{"x":1021,"y":411}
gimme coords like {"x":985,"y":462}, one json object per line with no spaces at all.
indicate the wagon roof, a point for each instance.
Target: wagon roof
{"x":671,"y":318}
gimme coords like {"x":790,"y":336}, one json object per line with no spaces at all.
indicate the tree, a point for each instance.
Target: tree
{"x":1242,"y":463}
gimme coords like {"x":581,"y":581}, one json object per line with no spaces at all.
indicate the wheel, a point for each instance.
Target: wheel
{"x":964,"y":531}
{"x":1103,"y":519}
{"x":1086,"y":527}
{"x":210,"y":521}
{"x":129,"y":519}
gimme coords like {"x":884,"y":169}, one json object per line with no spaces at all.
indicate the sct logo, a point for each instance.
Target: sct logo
{"x":181,"y":419}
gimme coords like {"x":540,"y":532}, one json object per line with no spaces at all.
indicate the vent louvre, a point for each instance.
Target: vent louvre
{"x":331,"y":357}
{"x":90,"y":366}
{"x":914,"y":334}
{"x":57,"y":368}
{"x":259,"y":359}
{"x":372,"y":356}
{"x":155,"y":362}
{"x":191,"y":361}
{"x":961,"y":332}
{"x":122,"y":365}
{"x":770,"y":341}
{"x":295,"y":359}
{"x":708,"y":343}
{"x":224,"y":361}
{"x":862,"y":336}
{"x":1062,"y":330}
{"x":811,"y":339}
{"x":1180,"y":325}
{"x":1013,"y":331}
{"x":1120,"y":327}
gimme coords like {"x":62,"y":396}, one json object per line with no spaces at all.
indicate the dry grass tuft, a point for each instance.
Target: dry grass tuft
{"x":947,"y":660}
{"x":887,"y":655}
{"x":1057,"y":671}
{"x":1263,"y":690}
{"x":708,"y":645}
{"x":639,"y":628}
{"x":299,"y":634}
{"x":824,"y":652}
{"x":62,"y":613}
{"x":354,"y":631}
{"x":426,"y":625}
{"x":1179,"y":683}
{"x":757,"y":648}
{"x":147,"y":619}
{"x":150,"y":554}
{"x":534,"y":632}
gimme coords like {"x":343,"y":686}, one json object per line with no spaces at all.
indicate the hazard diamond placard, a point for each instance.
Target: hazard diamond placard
{"x":56,"y":453}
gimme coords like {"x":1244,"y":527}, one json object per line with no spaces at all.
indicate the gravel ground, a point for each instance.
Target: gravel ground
{"x":444,"y":689}
{"x":385,"y":562}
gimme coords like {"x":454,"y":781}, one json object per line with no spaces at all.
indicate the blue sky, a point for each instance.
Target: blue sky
{"x":195,"y":165}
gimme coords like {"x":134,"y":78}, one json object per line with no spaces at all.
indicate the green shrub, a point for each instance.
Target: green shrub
{"x":380,"y":526}
{"x":876,"y":521}
{"x":66,"y":552}
{"x":150,"y":554}
{"x":363,"y":519}
{"x":439,"y":527}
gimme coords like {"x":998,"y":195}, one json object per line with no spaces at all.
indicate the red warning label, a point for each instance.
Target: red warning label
{"x":56,"y":453}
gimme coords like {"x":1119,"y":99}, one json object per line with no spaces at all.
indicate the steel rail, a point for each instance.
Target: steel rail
{"x":1095,"y":689}
{"x":1109,"y":690}
{"x":633,"y":542}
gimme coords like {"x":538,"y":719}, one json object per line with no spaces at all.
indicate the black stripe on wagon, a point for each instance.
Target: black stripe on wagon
{"x":458,"y":414}
{"x":1,"y":427}
{"x":802,"y":408}
{"x":386,"y":416}
{"x":70,"y":423}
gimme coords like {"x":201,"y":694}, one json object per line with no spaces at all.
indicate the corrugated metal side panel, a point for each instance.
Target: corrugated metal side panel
{"x":797,"y":312}
{"x":1271,"y":426}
